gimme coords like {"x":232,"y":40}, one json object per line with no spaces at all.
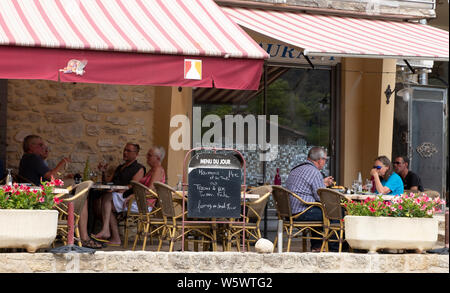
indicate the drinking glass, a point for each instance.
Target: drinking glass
{"x":369,"y":185}
{"x":355,"y":186}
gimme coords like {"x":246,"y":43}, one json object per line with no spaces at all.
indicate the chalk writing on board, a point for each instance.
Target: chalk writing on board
{"x":214,"y":192}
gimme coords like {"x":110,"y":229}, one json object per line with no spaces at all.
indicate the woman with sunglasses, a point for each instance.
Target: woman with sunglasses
{"x":386,"y":181}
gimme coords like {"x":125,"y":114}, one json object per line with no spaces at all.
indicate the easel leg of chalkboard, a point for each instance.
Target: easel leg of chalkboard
{"x":265,"y":222}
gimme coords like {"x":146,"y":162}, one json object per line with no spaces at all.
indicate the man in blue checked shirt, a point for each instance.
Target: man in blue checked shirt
{"x":304,"y":180}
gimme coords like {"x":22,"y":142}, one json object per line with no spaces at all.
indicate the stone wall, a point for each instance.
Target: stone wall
{"x":223,"y":262}
{"x":80,"y":121}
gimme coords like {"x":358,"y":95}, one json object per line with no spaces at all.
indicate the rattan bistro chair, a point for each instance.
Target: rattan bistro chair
{"x":148,"y":223}
{"x":333,"y":211}
{"x":294,"y":228}
{"x":78,"y":199}
{"x":253,"y":215}
{"x":173,"y":216}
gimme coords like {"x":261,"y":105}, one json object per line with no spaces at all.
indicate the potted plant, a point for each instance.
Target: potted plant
{"x":406,"y":222}
{"x":27,"y":219}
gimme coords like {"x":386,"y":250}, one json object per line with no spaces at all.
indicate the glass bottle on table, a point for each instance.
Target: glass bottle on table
{"x":360,"y":183}
{"x":9,"y":178}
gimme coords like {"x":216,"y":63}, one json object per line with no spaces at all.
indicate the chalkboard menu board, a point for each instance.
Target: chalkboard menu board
{"x":214,"y":186}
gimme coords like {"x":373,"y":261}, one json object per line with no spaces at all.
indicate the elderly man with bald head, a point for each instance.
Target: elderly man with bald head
{"x":32,"y":165}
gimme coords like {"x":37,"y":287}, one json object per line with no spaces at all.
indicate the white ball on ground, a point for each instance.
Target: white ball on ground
{"x":264,"y":246}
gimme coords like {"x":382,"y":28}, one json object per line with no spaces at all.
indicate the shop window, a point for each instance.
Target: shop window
{"x":301,"y":100}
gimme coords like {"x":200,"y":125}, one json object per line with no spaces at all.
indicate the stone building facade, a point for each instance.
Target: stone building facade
{"x":79,"y":121}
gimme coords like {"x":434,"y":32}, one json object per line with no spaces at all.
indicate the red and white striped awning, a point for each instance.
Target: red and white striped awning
{"x":326,"y":35}
{"x":141,"y":29}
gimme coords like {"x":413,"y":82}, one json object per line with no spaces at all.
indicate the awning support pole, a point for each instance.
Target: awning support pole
{"x":409,"y":66}
{"x":309,"y":60}
{"x":264,"y":162}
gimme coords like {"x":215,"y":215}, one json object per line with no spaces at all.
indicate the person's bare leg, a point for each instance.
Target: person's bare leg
{"x":82,"y":223}
{"x":115,"y":237}
{"x":107,"y":206}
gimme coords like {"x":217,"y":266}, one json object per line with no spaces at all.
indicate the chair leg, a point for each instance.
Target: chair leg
{"x":161,"y":237}
{"x":138,"y":234}
{"x":341,"y":239}
{"x":289,"y":239}
{"x":146,"y":227}
{"x":77,"y":234}
{"x":172,"y":238}
{"x":125,"y":236}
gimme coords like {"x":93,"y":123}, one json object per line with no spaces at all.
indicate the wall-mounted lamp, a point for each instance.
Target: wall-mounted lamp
{"x":405,"y":93}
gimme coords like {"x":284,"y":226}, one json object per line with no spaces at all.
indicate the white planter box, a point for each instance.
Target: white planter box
{"x":373,"y":233}
{"x":29,"y":229}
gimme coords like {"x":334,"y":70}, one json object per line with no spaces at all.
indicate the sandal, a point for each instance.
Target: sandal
{"x":98,"y":239}
{"x":91,"y":244}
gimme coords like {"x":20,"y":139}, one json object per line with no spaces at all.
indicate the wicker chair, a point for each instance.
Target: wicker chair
{"x":332,"y":209}
{"x":430,"y":193}
{"x":81,"y":193}
{"x":283,"y":205}
{"x":148,"y":223}
{"x":253,"y":215}
{"x":173,"y":216}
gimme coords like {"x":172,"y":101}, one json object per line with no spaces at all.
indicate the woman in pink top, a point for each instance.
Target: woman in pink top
{"x":110,"y":229}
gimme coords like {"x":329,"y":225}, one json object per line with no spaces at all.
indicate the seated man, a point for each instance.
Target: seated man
{"x":124,"y":173}
{"x":410,"y":179}
{"x":32,"y":166}
{"x":304,"y":180}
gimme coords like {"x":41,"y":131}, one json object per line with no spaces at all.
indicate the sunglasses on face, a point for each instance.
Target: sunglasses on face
{"x":397,"y":163}
{"x":377,"y":167}
{"x":128,"y":151}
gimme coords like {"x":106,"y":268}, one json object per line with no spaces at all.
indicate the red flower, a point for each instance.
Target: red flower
{"x":57,"y":200}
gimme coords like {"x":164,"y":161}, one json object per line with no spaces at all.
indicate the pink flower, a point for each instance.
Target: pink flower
{"x":424,"y":207}
{"x":393,"y":209}
{"x":372,"y":209}
{"x":400,"y":207}
{"x":41,"y":199}
{"x":57,"y":200}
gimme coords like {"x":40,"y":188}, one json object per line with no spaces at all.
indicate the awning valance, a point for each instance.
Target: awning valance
{"x":127,"y":42}
{"x":339,"y":36}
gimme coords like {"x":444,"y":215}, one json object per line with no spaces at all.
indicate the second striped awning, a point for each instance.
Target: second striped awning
{"x":339,"y":36}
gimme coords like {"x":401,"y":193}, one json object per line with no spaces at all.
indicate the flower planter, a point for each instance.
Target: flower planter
{"x":373,"y":233}
{"x":29,"y":229}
